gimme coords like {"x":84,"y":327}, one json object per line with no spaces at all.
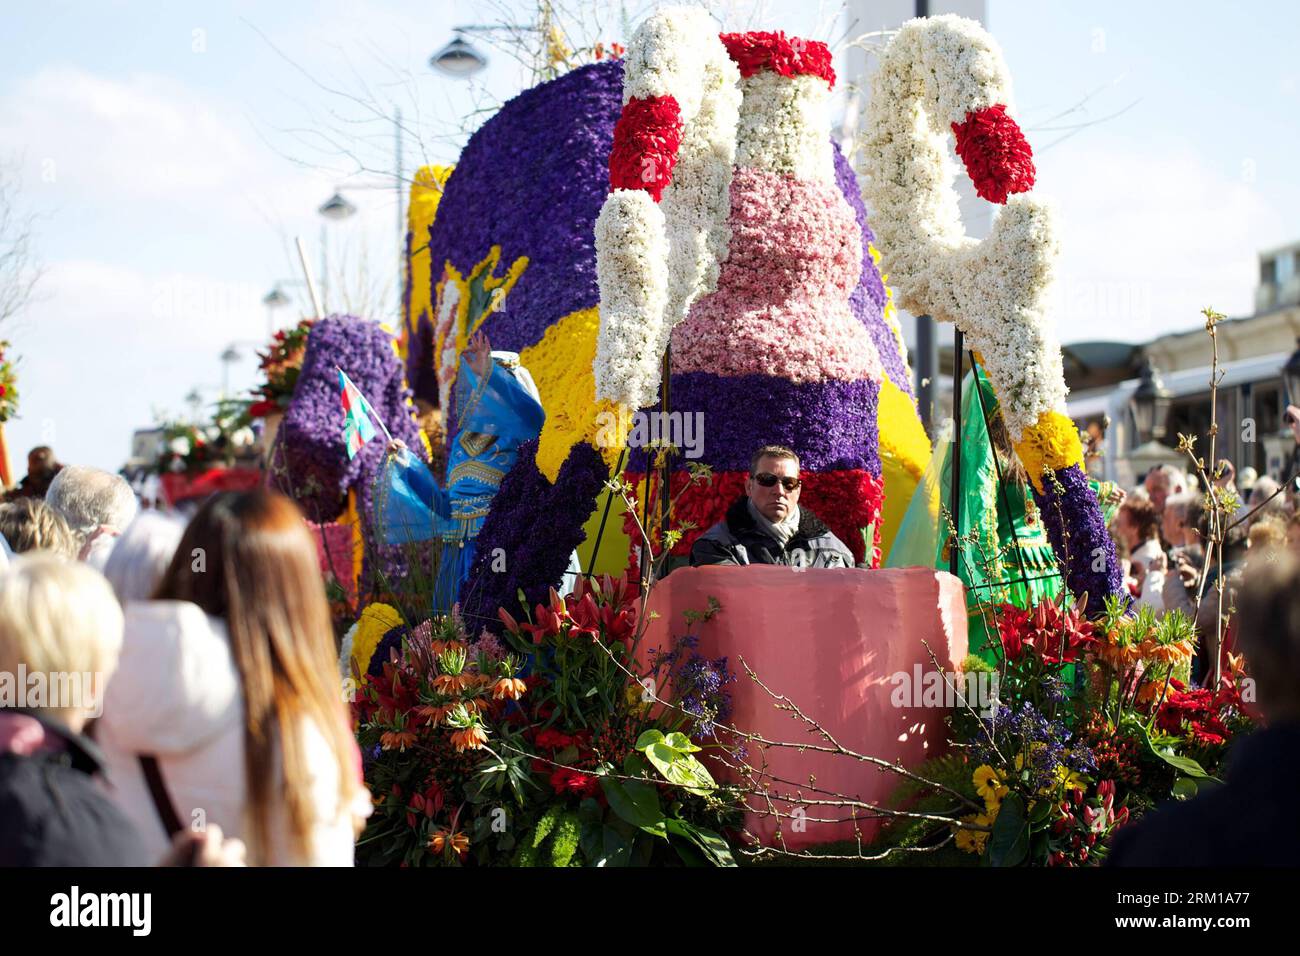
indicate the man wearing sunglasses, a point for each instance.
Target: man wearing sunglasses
{"x":766,"y":524}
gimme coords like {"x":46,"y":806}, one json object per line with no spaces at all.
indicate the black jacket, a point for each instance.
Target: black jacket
{"x":1248,"y":821}
{"x":52,"y":813}
{"x":738,"y":540}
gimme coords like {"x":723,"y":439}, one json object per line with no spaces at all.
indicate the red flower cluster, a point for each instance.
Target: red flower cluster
{"x":567,"y":780}
{"x":646,"y":138}
{"x":997,"y":155}
{"x":764,"y":50}
{"x":1042,"y":629}
{"x":846,"y":500}
{"x":1196,"y":712}
{"x":606,"y":608}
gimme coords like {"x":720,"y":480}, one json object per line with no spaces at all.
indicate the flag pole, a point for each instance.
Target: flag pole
{"x":311,"y":281}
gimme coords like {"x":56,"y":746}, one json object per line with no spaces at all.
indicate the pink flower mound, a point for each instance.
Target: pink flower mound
{"x":782,"y":304}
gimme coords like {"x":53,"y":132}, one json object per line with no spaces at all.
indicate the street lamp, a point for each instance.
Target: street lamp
{"x":1150,"y":404}
{"x":336,"y":207}
{"x":228,"y":358}
{"x":458,"y":58}
{"x":1291,"y":377}
{"x":275,"y":298}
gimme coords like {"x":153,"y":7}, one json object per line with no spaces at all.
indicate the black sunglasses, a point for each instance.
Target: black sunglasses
{"x":767,"y":480}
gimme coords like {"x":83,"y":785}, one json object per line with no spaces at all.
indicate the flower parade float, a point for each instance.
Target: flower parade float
{"x":677,"y":232}
{"x":942,"y":76}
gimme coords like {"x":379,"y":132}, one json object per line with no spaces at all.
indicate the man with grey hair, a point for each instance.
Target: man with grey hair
{"x":1161,"y":482}
{"x":96,"y":505}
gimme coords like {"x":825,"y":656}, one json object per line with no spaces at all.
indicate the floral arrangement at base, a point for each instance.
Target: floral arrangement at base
{"x":189,"y":448}
{"x":576,"y":764}
{"x":280,"y":364}
{"x":1090,"y":724}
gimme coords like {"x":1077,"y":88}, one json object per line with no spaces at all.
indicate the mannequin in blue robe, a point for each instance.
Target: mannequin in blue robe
{"x":497,"y":410}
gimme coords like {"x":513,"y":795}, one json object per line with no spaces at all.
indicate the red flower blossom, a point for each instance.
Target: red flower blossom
{"x":646,"y":138}
{"x":567,"y":781}
{"x":763,"y":50}
{"x":552,"y":739}
{"x":997,"y":155}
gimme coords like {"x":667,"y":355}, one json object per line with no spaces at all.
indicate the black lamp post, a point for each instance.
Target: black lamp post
{"x":1150,"y":404}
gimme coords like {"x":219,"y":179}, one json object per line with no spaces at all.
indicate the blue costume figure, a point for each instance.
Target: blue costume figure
{"x":496,"y":412}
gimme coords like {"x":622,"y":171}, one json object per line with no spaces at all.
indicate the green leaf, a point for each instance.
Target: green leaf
{"x":1185,"y":765}
{"x":680,"y":742}
{"x":1184,"y":788}
{"x":649,"y":738}
{"x":681,"y":769}
{"x":635,"y":802}
{"x":1009,"y":842}
{"x":716,"y":850}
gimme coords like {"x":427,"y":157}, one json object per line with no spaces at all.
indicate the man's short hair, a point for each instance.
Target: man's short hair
{"x":772,"y":451}
{"x":89,"y":499}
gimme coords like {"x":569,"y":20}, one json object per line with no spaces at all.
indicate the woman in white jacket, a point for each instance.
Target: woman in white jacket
{"x":226,"y":706}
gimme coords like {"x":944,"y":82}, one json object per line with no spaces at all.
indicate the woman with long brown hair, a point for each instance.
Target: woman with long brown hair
{"x":227,"y":705}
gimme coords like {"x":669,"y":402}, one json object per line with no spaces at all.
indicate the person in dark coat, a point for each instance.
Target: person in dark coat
{"x":767,"y":526}
{"x":1250,"y":820}
{"x":52,"y":811}
{"x":60,"y":637}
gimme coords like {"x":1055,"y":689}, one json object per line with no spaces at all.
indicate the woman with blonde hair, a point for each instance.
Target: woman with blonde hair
{"x":227,"y":705}
{"x":29,"y":524}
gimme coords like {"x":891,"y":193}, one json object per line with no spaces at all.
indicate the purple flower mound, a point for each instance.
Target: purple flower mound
{"x":311,"y":463}
{"x":532,"y":180}
{"x":1087,"y":545}
{"x":537,"y":525}
{"x":831,"y":424}
{"x":868,"y":300}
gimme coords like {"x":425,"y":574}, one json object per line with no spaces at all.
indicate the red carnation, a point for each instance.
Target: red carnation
{"x":760,"y":49}
{"x":997,"y":155}
{"x":646,"y":138}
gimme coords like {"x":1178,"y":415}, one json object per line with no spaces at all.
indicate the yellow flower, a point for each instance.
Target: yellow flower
{"x":973,"y":841}
{"x":1069,"y":779}
{"x":1051,"y":444}
{"x":989,"y":785}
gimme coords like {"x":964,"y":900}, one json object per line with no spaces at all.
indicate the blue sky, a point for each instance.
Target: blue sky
{"x":172,"y":151}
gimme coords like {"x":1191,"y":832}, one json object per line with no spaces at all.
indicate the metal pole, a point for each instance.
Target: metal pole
{"x":954,"y":482}
{"x":927,"y":369}
{"x":401,"y":219}
{"x":324,"y":277}
{"x":665,"y":485}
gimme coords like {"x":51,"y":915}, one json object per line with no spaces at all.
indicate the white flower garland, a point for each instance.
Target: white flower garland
{"x":933,"y":73}
{"x":681,"y":240}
